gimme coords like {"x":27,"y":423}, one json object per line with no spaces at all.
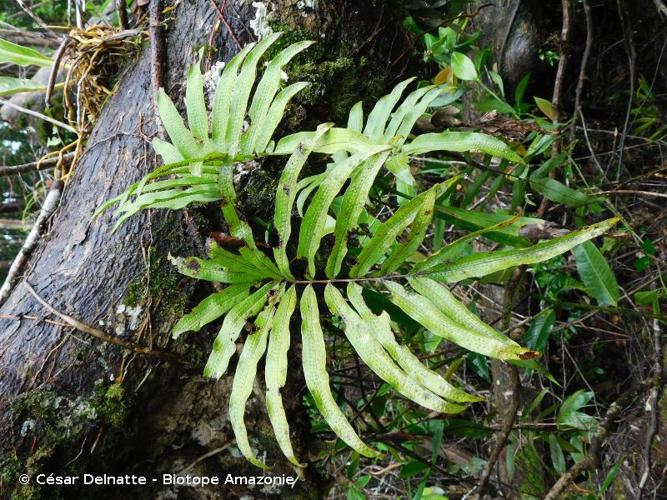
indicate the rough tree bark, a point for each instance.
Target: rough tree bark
{"x":71,"y":404}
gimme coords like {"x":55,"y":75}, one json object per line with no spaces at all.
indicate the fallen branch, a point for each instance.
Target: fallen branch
{"x":50,"y":205}
{"x":34,"y":166}
{"x":99,"y":334}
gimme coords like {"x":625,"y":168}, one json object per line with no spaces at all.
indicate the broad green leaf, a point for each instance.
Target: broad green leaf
{"x":596,"y":274}
{"x":537,"y":335}
{"x":267,"y":88}
{"x":210,"y":309}
{"x":286,"y":194}
{"x":373,"y":354}
{"x":21,"y":56}
{"x":195,"y":105}
{"x":556,"y":452}
{"x":354,"y":199}
{"x":558,"y":192}
{"x":483,"y":264}
{"x":546,"y":107}
{"x":244,"y":379}
{"x":313,"y":224}
{"x":10,"y":86}
{"x":180,"y":136}
{"x":221,"y":100}
{"x":224,"y":345}
{"x":276,"y":372}
{"x":570,"y":416}
{"x":422,"y":310}
{"x":461,"y":142}
{"x":317,"y":378}
{"x":463,"y":67}
{"x":404,"y":356}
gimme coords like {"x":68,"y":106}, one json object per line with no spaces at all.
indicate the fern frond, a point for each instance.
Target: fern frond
{"x":264,"y":288}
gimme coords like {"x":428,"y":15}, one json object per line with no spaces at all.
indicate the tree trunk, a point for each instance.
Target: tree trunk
{"x":70,"y":404}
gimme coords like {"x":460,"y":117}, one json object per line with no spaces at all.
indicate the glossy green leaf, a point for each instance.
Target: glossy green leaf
{"x":13,"y":53}
{"x":596,"y":274}
{"x":463,"y":67}
{"x":10,"y":86}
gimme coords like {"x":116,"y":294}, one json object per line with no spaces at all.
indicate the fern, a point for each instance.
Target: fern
{"x":265,"y":290}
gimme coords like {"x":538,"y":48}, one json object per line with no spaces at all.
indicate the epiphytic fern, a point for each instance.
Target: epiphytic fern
{"x":267,"y":291}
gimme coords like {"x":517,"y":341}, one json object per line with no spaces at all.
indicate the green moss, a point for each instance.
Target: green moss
{"x":162,"y":281}
{"x":112,"y":406}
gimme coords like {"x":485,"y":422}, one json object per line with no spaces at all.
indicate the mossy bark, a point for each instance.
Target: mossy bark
{"x":70,"y":404}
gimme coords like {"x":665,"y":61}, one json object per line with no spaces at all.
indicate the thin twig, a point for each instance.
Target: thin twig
{"x":221,"y":15}
{"x":559,"y":85}
{"x":34,"y":166}
{"x":99,"y":334}
{"x":632,"y":58}
{"x":50,"y":205}
{"x":582,"y":68}
{"x":36,"y":114}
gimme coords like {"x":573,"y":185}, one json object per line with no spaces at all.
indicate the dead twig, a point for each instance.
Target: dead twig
{"x":220,"y":11}
{"x":50,"y":205}
{"x":582,"y":68}
{"x":34,"y":166}
{"x":99,"y":334}
{"x":652,"y":402}
{"x":632,"y":58}
{"x":559,"y":85}
{"x":36,"y":114}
